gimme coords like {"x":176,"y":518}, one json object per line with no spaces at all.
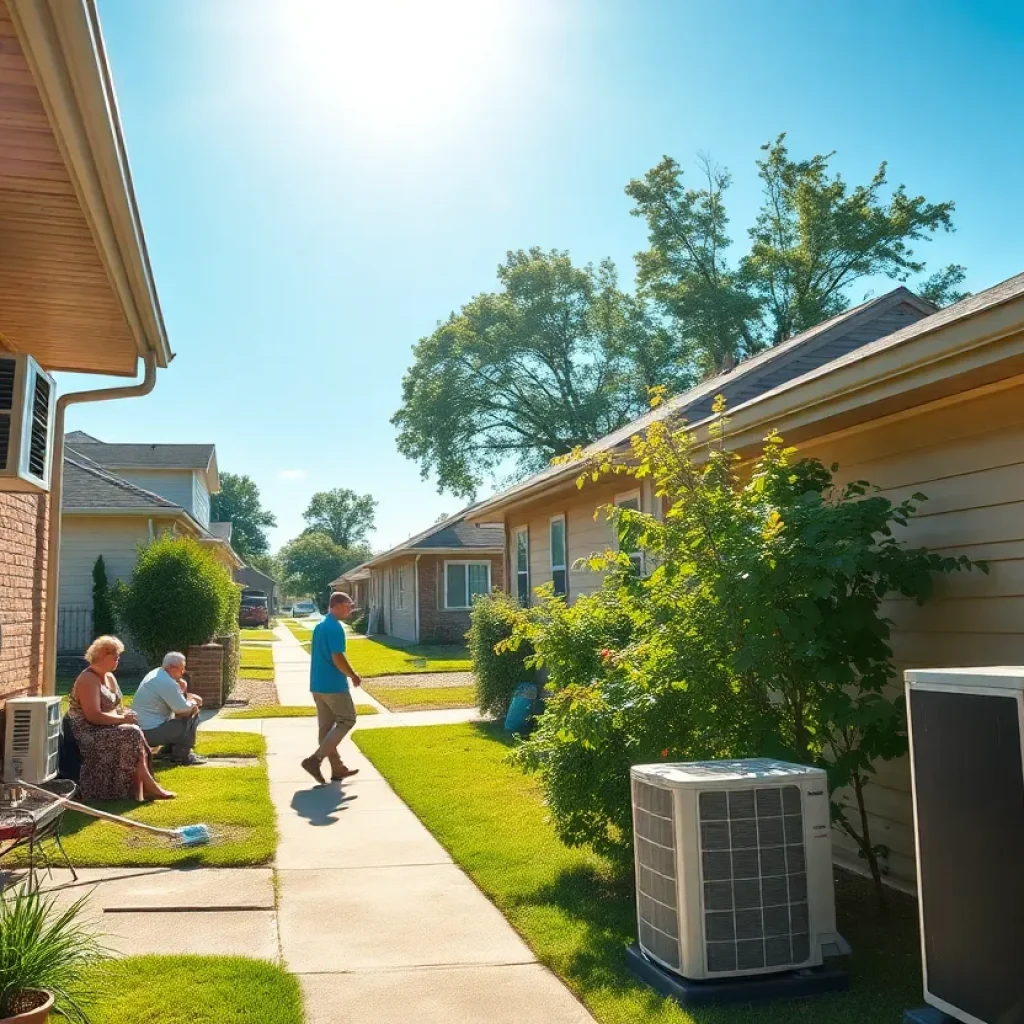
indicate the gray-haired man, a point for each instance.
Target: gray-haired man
{"x":167,"y":713}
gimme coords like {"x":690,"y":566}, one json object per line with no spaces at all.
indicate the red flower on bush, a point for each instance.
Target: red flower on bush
{"x":664,"y":753}
{"x":606,"y":654}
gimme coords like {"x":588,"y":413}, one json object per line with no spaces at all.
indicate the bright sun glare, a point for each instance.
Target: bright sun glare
{"x":398,"y":67}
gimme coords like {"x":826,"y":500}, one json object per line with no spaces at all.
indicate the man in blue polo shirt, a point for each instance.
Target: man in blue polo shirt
{"x":329,"y":675}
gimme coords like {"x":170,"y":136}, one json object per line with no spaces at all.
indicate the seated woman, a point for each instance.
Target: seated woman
{"x":115,"y":756}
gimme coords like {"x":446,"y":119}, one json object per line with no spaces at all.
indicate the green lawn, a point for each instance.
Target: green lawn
{"x":193,"y":990}
{"x":234,"y":802}
{"x":257,"y":662}
{"x":378,"y":656}
{"x":257,"y":634}
{"x":289,"y":711}
{"x":424,"y":698}
{"x":300,"y":633}
{"x":577,"y":918}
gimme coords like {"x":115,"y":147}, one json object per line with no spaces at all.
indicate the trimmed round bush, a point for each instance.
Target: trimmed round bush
{"x":497,"y":674}
{"x":178,"y":595}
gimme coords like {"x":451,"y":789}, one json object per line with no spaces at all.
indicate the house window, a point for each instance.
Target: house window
{"x":523,"y":565}
{"x":632,"y":500}
{"x":463,"y":581}
{"x":559,"y":574}
{"x":400,"y":596}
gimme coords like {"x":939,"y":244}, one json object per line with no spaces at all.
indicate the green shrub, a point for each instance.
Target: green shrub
{"x":361,"y":624}
{"x":103,"y":619}
{"x":498,"y":673}
{"x":758,"y":632}
{"x":178,"y":595}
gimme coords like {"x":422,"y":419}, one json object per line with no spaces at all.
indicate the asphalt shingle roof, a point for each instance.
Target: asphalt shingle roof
{"x":89,"y":486}
{"x":142,"y":456}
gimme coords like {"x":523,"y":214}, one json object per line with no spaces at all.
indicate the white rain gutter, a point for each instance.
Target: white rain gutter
{"x":146,"y":385}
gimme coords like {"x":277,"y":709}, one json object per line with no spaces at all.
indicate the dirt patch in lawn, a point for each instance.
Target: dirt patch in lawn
{"x":254,"y":693}
{"x":422,"y":680}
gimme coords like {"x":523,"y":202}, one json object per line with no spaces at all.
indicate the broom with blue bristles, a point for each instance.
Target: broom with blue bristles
{"x":185,"y":835}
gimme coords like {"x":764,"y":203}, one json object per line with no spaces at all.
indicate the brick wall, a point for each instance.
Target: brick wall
{"x":206,"y":673}
{"x":438,"y":626}
{"x":22,"y":593}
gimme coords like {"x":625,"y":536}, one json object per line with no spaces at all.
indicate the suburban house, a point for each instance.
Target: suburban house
{"x":118,"y":496}
{"x":252,"y":579}
{"x":421,"y":591}
{"x":76,"y":289}
{"x":934,"y":405}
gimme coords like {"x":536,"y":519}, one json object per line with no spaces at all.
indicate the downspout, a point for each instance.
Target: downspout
{"x":416,"y":593}
{"x":54,"y":512}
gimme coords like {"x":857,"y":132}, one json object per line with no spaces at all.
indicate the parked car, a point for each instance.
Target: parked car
{"x":303,"y":609}
{"x":286,"y":610}
{"x":254,"y":610}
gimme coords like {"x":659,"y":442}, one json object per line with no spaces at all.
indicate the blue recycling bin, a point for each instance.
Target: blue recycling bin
{"x":523,"y":708}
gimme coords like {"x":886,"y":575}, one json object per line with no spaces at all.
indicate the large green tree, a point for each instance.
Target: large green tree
{"x":814,"y":237}
{"x":239,"y":503}
{"x":346,"y":517}
{"x":558,"y":356}
{"x":313,"y":560}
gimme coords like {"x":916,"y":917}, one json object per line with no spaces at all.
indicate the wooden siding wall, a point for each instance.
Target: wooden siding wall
{"x":56,"y":301}
{"x":967,"y":457}
{"x":172,"y":484}
{"x":584,"y":534}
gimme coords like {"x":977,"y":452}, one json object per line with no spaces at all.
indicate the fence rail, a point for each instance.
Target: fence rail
{"x":74,"y":628}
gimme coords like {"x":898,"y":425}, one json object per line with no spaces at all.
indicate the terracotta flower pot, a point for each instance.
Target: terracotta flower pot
{"x":38,"y":1014}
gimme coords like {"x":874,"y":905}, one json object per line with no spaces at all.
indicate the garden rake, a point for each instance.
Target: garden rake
{"x":185,"y":835}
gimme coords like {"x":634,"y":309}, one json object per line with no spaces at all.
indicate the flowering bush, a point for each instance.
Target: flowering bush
{"x":757,"y":633}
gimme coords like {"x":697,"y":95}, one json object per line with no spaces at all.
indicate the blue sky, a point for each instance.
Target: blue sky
{"x":321,"y":182}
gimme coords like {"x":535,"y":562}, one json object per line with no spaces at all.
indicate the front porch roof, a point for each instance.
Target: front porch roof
{"x":76,"y":287}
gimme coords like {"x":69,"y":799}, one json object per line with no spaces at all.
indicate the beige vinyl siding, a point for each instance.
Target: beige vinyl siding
{"x":967,"y":457}
{"x":584,"y":535}
{"x":84,"y":538}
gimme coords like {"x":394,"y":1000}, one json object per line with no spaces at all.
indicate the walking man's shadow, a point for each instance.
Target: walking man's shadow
{"x":318,"y":805}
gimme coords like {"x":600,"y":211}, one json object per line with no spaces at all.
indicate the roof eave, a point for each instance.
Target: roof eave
{"x":63,"y":45}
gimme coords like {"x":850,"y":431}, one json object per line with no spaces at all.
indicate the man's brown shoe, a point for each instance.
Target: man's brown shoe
{"x":345,"y":773}
{"x":312,"y":765}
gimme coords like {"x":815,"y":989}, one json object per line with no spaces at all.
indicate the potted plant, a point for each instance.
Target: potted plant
{"x":44,"y":952}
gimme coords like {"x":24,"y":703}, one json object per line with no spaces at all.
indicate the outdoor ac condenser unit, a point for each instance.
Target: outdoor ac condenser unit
{"x":733,"y":867}
{"x":27,"y":406}
{"x":31,"y":740}
{"x":967,"y":769}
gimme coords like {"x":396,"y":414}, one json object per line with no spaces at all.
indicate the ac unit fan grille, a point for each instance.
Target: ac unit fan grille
{"x":21,"y":732}
{"x":755,"y":879}
{"x":39,"y":441}
{"x":7,"y":369}
{"x":657,"y":907}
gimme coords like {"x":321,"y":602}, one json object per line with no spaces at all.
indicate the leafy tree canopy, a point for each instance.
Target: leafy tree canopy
{"x":814,"y":237}
{"x":239,"y":504}
{"x":346,"y":517}
{"x":558,"y":356}
{"x":313,"y":560}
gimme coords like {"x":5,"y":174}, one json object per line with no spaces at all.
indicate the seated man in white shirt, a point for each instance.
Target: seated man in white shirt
{"x":167,"y":713}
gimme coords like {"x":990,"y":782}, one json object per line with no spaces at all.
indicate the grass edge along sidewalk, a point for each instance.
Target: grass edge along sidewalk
{"x":289,"y":711}
{"x":578,"y":919}
{"x":219,"y":989}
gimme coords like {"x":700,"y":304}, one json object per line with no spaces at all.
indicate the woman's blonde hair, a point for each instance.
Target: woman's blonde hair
{"x":101,"y":645}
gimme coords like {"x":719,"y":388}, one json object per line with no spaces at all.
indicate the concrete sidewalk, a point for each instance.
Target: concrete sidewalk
{"x":291,"y":674}
{"x":373,"y":914}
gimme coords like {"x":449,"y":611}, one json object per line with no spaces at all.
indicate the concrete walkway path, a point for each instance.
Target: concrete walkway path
{"x":377,"y":921}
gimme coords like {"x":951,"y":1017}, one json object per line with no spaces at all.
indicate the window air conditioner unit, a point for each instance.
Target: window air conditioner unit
{"x":733,"y":867}
{"x":27,"y":405}
{"x":31,"y":740}
{"x":967,"y":770}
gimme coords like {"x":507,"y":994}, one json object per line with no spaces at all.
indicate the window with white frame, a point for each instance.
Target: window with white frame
{"x":463,"y":581}
{"x":631,"y":499}
{"x":523,"y":565}
{"x":559,"y":568}
{"x":400,"y":590}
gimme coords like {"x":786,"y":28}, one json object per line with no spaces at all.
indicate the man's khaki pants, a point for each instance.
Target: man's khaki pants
{"x":335,"y":715}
